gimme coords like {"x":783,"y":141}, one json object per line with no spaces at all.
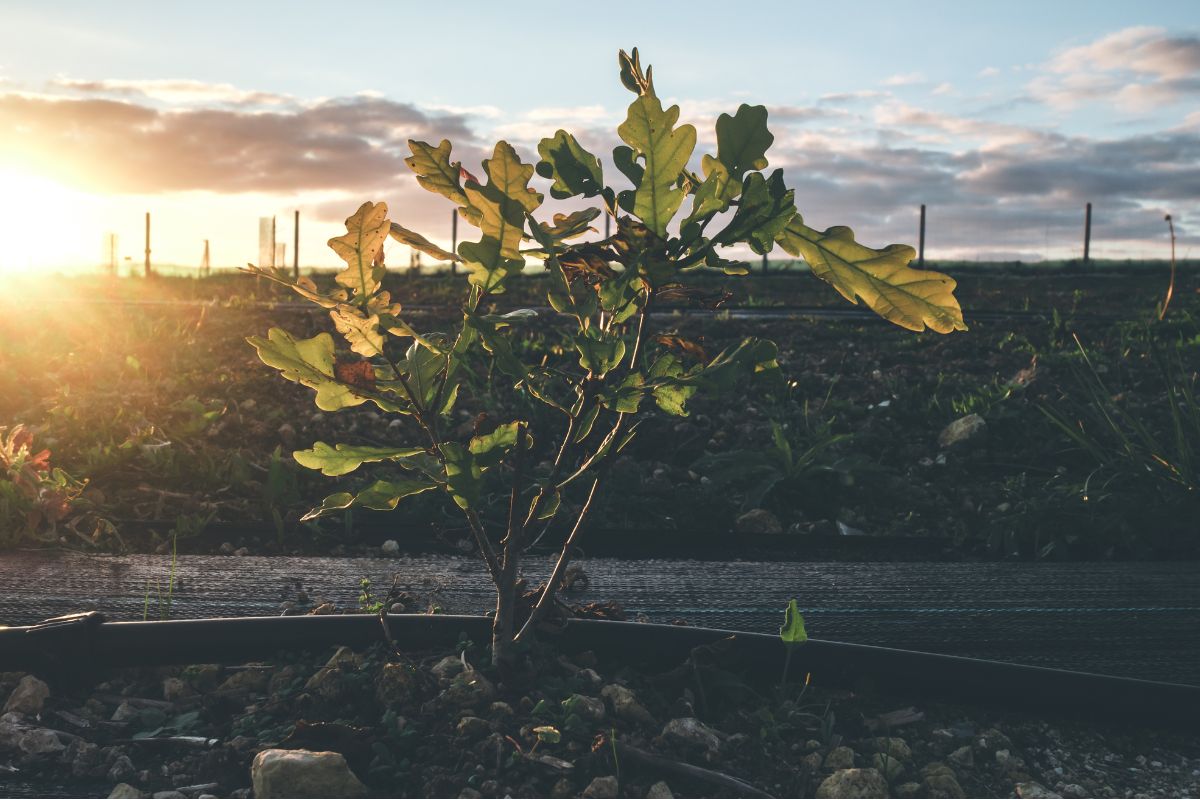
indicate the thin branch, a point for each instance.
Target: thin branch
{"x":564,"y":558}
{"x":683,"y":769}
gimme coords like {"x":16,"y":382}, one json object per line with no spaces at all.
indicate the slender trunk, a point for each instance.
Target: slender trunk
{"x":506,"y":583}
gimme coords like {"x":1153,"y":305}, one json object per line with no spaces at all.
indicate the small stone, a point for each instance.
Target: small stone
{"x":390,"y":548}
{"x":563,"y":787}
{"x":287,"y":434}
{"x":124,"y":713}
{"x":473,"y":727}
{"x":841,"y":757}
{"x":893,"y":747}
{"x":395,"y":684}
{"x":241,"y":552}
{"x":603,"y":787}
{"x":690,"y":733}
{"x":758,"y":521}
{"x":246,"y":681}
{"x":500,"y":709}
{"x":589,"y":708}
{"x":226,"y":548}
{"x":961,"y":431}
{"x":176,"y":689}
{"x":887,"y":766}
{"x":169,"y":794}
{"x":909,"y":789}
{"x":659,"y":791}
{"x":853,"y":783}
{"x":28,"y":697}
{"x":446,"y":669}
{"x":469,"y":690}
{"x":1033,"y":789}
{"x":303,"y":773}
{"x":963,"y":756}
{"x":590,"y":676}
{"x":122,"y":769}
{"x":940,"y":781}
{"x":124,"y":790}
{"x":812,"y":762}
{"x":40,"y":742}
{"x":625,"y":704}
{"x":469,"y":793}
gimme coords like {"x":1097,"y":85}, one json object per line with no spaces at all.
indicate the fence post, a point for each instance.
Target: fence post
{"x":607,"y":225}
{"x":147,"y":244}
{"x":921,"y":242}
{"x":453,"y":241}
{"x":205,"y":265}
{"x":764,"y":264}
{"x":1087,"y":236}
{"x":296,"y":246}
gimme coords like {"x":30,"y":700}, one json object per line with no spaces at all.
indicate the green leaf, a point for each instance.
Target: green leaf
{"x":599,"y":352}
{"x":435,"y":171}
{"x":502,"y":205}
{"x":548,"y":734}
{"x":766,"y":207}
{"x":489,"y":449}
{"x":303,"y":285}
{"x":575,"y":171}
{"x":626,"y":398}
{"x":670,"y":394}
{"x":342,"y":459}
{"x":792,"y":631}
{"x":651,"y":133}
{"x":366,"y":231}
{"x":712,"y":197}
{"x":464,"y":477}
{"x":379,"y":496}
{"x":910,"y":298}
{"x":386,"y":495}
{"x":568,"y":226}
{"x":419,"y":242}
{"x":743,"y":140}
{"x":308,"y":362}
{"x":586,"y":422}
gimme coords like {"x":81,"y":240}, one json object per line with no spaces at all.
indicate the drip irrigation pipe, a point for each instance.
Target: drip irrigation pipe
{"x":87,"y":641}
{"x":783,"y":312}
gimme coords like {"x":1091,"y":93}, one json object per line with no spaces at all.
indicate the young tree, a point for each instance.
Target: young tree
{"x":606,"y":288}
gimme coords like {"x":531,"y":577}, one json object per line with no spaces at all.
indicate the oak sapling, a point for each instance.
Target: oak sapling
{"x":613,"y":371}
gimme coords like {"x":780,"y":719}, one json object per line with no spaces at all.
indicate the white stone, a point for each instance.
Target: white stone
{"x":303,"y":773}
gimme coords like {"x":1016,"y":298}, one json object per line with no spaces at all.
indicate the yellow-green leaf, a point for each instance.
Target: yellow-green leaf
{"x":435,"y":171}
{"x":360,"y":330}
{"x":419,"y":242}
{"x":308,"y":362}
{"x":342,"y":459}
{"x":665,"y":149}
{"x":911,"y":298}
{"x":366,"y":231}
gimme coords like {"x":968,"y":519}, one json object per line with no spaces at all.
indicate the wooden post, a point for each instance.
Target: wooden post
{"x":147,"y":244}
{"x":1087,"y":235}
{"x":296,"y":246}
{"x":274,"y":243}
{"x":205,"y":266}
{"x":921,"y":242}
{"x":764,"y":264}
{"x":454,"y":241}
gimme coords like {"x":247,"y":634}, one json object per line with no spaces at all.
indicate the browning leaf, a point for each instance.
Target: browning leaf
{"x":359,"y":374}
{"x":685,"y":347}
{"x":692,"y":296}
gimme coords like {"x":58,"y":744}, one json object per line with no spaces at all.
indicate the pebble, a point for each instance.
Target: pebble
{"x":758,"y":521}
{"x":303,"y":773}
{"x":841,"y":757}
{"x":853,"y":783}
{"x":605,"y":786}
{"x":390,"y":548}
{"x":625,"y":704}
{"x":659,"y":791}
{"x":28,"y":697}
{"x":692,"y":734}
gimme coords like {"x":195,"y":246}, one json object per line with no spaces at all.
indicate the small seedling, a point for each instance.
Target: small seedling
{"x":793,"y":634}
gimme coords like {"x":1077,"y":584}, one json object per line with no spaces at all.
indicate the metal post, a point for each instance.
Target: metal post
{"x":206,"y":267}
{"x":147,"y":244}
{"x":921,"y":245}
{"x":454,"y":241}
{"x":296,"y":246}
{"x":1087,"y":236}
{"x":274,"y":243}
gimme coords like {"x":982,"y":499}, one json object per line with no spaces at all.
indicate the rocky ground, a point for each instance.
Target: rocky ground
{"x":383,"y":724}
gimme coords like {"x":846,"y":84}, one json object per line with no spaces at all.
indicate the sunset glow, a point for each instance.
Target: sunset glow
{"x":45,"y":224}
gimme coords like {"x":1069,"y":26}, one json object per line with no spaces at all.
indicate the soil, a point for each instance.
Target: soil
{"x":444,"y":724}
{"x":184,"y":436}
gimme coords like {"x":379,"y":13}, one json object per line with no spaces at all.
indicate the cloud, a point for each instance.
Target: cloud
{"x":943,"y":88}
{"x":906,"y":79}
{"x":122,"y":147}
{"x":989,"y":72}
{"x":843,"y":98}
{"x":1137,"y":69}
{"x":174,"y":91}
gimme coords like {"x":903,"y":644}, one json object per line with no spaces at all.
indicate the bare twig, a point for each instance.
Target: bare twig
{"x":564,"y":558}
{"x":1162,"y":312}
{"x":683,"y":769}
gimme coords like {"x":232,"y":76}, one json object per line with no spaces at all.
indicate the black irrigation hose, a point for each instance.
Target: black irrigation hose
{"x":86,"y":641}
{"x":783,"y":312}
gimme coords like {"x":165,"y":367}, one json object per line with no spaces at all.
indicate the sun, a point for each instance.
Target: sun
{"x":44,"y":224}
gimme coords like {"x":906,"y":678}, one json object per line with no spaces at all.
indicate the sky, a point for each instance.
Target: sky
{"x":1003,"y":119}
